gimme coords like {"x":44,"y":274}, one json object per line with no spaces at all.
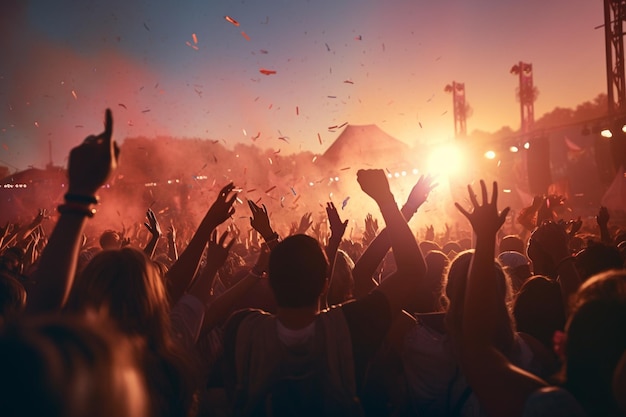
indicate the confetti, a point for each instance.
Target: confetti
{"x":122,"y":105}
{"x":283,"y":138}
{"x":319,"y":138}
{"x":258,"y":135}
{"x":332,"y":96}
{"x":245,"y":35}
{"x":270,"y":107}
{"x":293,"y":191}
{"x":327,"y":47}
{"x":5,"y":147}
{"x":74,"y":94}
{"x":314,"y":159}
{"x":297,"y":198}
{"x":195,"y":38}
{"x":340,"y":126}
{"x":282,"y":199}
{"x":258,"y":201}
{"x":146,"y":26}
{"x":79,"y":126}
{"x":420,"y":123}
{"x":270,"y":159}
{"x":36,"y":124}
{"x":297,"y":111}
{"x":244,"y":132}
{"x":251,"y":189}
{"x":266,"y":71}
{"x":231,"y":20}
{"x":263,"y":51}
{"x":344,"y":203}
{"x":359,"y":38}
{"x":270,"y":189}
{"x":348,"y":82}
{"x":145,"y":111}
{"x":277,"y":152}
{"x":332,"y":127}
{"x":344,"y":169}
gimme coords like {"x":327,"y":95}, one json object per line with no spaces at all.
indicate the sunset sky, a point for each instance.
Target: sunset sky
{"x":179,"y":68}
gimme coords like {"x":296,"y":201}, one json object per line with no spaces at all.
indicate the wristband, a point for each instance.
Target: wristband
{"x":78,"y":198}
{"x":76,"y":208}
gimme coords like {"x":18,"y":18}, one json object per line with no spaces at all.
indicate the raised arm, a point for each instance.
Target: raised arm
{"x":398,"y":287}
{"x":501,"y":388}
{"x":90,"y":165}
{"x":372,"y":257}
{"x":181,"y":274}
{"x":154,"y":228}
{"x":260,"y":221}
{"x":337,"y":229}
{"x":603,"y":222}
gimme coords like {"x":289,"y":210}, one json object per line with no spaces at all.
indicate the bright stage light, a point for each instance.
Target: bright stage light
{"x":606,"y":133}
{"x":446,"y":159}
{"x":527,"y":145}
{"x":490,"y":155}
{"x":514,"y":149}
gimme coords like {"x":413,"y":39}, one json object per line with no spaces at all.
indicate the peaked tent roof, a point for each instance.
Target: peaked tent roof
{"x":367,"y":143}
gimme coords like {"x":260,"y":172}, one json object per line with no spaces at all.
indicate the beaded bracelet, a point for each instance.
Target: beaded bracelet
{"x":78,"y":198}
{"x":76,"y":208}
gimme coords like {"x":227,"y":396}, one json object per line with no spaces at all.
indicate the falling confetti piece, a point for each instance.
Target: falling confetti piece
{"x":340,"y":126}
{"x":245,"y":35}
{"x":145,"y":111}
{"x":36,"y":124}
{"x":277,"y":152}
{"x":258,"y":135}
{"x":319,"y":138}
{"x":195,"y":38}
{"x":359,"y":38}
{"x":244,"y":132}
{"x":74,"y":94}
{"x":270,"y":107}
{"x":283,"y":138}
{"x":231,"y":20}
{"x":297,"y":198}
{"x":251,"y":190}
{"x":130,"y":123}
{"x":266,"y":71}
{"x":344,"y":203}
{"x":79,"y":126}
{"x":293,"y":191}
{"x":282,"y":199}
{"x":314,"y":159}
{"x":344,"y":169}
{"x":5,"y":147}
{"x":258,"y":201}
{"x":263,"y":51}
{"x":332,"y":96}
{"x":332,"y":127}
{"x":270,"y":160}
{"x":270,"y":189}
{"x":122,"y":105}
{"x":297,"y":111}
{"x":146,"y":26}
{"x":327,"y":47}
{"x":348,"y":82}
{"x":420,"y":123}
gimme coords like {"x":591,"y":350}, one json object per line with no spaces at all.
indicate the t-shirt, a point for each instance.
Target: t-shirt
{"x":368,"y":320}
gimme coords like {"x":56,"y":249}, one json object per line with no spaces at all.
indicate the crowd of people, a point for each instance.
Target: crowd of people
{"x":225,"y":322}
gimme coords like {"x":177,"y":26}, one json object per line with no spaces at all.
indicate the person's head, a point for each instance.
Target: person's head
{"x":12,"y":259}
{"x":538,"y":309}
{"x":517,"y":266}
{"x":125,"y":285}
{"x":512,"y":243}
{"x":297,"y":272}
{"x":451,"y":249}
{"x":428,"y":245}
{"x":12,"y":297}
{"x":454,"y":294}
{"x":436,"y":265}
{"x":342,"y":283}
{"x":596,"y":340}
{"x":110,"y":239}
{"x":597,"y":257}
{"x":68,"y":367}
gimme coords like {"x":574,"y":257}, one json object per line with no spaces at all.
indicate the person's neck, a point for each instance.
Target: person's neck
{"x":297,"y":318}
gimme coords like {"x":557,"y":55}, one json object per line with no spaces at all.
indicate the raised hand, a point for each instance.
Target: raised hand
{"x":217,"y":251}
{"x":371,"y":229}
{"x":222,"y":208}
{"x":484,"y":218}
{"x":171,"y":233}
{"x":603,"y":217}
{"x":430,"y":233}
{"x":374,"y":183}
{"x":42,"y":215}
{"x":92,"y":162}
{"x":305,"y":223}
{"x":152,"y":224}
{"x":337,"y":227}
{"x":260,"y":221}
{"x":419,"y":194}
